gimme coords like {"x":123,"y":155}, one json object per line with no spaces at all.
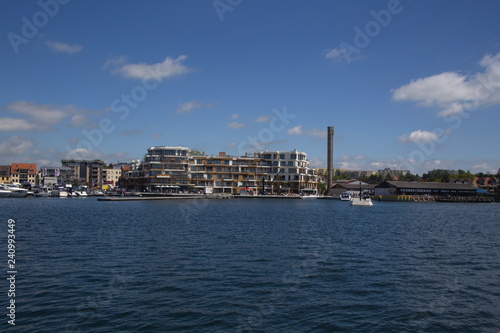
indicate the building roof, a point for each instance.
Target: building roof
{"x":426,"y":185}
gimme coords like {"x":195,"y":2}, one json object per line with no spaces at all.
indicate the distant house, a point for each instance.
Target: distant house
{"x":490,"y":184}
{"x":390,"y":188}
{"x":351,"y":186}
{"x":23,"y":173}
{"x":5,"y":174}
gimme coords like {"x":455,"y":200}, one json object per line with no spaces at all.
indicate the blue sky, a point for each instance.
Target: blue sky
{"x":406,"y":84}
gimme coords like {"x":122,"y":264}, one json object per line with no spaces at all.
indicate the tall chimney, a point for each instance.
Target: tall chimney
{"x":329,"y":153}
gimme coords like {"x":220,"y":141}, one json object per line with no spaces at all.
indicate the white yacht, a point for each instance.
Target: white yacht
{"x":309,"y":194}
{"x":15,"y":191}
{"x":4,"y":193}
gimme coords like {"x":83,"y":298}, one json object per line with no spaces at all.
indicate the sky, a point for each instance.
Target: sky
{"x":405,"y":84}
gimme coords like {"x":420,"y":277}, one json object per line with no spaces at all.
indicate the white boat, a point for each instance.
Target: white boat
{"x":15,"y":191}
{"x":81,"y":194}
{"x":41,"y":192}
{"x":345,"y":196}
{"x":309,"y":194}
{"x":4,"y":193}
{"x":63,"y":194}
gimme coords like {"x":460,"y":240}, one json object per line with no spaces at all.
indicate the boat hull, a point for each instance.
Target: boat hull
{"x":4,"y":194}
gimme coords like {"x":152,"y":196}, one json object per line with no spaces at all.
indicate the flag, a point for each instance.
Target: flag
{"x":57,"y":172}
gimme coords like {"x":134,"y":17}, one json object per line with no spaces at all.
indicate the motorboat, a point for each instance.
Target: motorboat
{"x":15,"y":191}
{"x":4,"y":193}
{"x":309,"y":194}
{"x":41,"y":192}
{"x":345,"y":196}
{"x":80,"y":193}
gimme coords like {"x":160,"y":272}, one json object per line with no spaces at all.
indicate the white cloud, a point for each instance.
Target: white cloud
{"x":15,"y":145}
{"x":235,"y":116}
{"x":317,"y":162}
{"x":317,"y":133}
{"x":77,"y":120}
{"x":41,"y":116}
{"x":168,"y":68}
{"x":232,"y":145}
{"x":419,"y":136}
{"x":484,"y":167}
{"x":64,"y":48}
{"x":236,"y":125}
{"x":263,"y":119}
{"x":297,"y":130}
{"x":115,"y":62}
{"x":15,"y":125}
{"x":453,"y":92}
{"x":84,"y":154}
{"x":188,"y":107}
{"x":335,"y":54}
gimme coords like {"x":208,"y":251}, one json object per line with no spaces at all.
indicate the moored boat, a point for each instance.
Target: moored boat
{"x":4,"y":193}
{"x":15,"y":191}
{"x":345,"y":196}
{"x":309,"y":194}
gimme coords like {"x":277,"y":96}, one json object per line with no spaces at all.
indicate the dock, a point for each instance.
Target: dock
{"x":151,"y":196}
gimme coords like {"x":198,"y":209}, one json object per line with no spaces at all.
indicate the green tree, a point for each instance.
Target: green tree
{"x":322,"y":188}
{"x":196,"y":153}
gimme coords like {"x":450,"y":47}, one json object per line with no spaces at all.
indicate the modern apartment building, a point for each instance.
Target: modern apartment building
{"x":165,"y":168}
{"x":174,"y":169}
{"x":84,"y":172}
{"x":227,"y":174}
{"x":290,"y":171}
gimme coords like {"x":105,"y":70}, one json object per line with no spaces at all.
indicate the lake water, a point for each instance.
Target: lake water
{"x":252,"y":266}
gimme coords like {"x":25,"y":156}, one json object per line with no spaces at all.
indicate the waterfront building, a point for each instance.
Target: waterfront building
{"x":393,"y":188}
{"x":51,"y":176}
{"x":5,"y":174}
{"x":351,"y":186}
{"x":173,"y":169}
{"x":227,"y":174}
{"x":490,"y":184}
{"x":165,"y":168}
{"x":111,"y":176}
{"x":23,"y":173}
{"x":84,"y":172}
{"x":289,"y":171}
